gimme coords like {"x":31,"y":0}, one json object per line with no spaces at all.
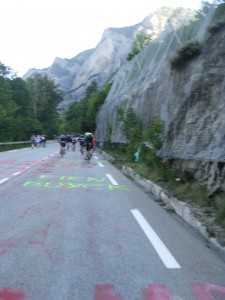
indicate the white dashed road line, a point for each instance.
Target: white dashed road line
{"x":163,"y":252}
{"x":3,"y":180}
{"x":111,"y":179}
{"x":17,"y":173}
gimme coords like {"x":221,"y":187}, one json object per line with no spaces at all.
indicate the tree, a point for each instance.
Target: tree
{"x":140,"y":41}
{"x":4,"y":70}
{"x":80,"y":116}
{"x":8,"y":109}
{"x":45,"y":97}
{"x":132,"y":129}
{"x":92,"y":88}
{"x":94,"y":103}
{"x":21,"y":96}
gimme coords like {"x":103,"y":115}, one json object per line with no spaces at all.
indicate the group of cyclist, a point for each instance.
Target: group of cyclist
{"x":86,"y":141}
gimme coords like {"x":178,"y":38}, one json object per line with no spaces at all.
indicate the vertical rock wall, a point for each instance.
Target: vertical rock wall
{"x":190,"y":101}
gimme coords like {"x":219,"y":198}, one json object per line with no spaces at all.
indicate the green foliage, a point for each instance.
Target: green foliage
{"x":120,"y":113}
{"x":96,"y":100}
{"x":27,"y":107}
{"x":216,"y":27}
{"x":133,"y":132}
{"x":220,"y":210}
{"x":5,"y":92}
{"x":92,"y":88}
{"x":185,"y":54}
{"x":154,"y":134}
{"x":152,"y":142}
{"x":4,"y":70}
{"x":140,"y":41}
{"x":21,"y":96}
{"x":80,"y":116}
{"x":45,"y":97}
{"x":166,"y":172}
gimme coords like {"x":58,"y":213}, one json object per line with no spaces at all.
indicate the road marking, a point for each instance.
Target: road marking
{"x":163,"y":252}
{"x":100,"y":164}
{"x":3,"y":180}
{"x":17,"y":173}
{"x":111,"y":179}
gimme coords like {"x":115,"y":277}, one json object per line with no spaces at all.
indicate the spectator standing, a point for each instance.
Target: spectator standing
{"x":33,"y":141}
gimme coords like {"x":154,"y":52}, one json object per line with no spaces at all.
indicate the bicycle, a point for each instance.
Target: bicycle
{"x":88,"y":154}
{"x":73,"y":146}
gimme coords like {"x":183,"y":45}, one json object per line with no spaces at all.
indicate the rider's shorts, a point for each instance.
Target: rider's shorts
{"x":89,"y":146}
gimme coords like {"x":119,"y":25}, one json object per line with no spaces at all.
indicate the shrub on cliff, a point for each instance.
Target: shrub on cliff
{"x":185,"y":54}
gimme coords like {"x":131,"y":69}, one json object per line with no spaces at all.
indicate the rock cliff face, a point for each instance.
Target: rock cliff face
{"x":99,"y":64}
{"x":103,"y":62}
{"x":190,"y":101}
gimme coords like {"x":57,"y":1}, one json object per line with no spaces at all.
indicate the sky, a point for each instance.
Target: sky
{"x":34,"y":32}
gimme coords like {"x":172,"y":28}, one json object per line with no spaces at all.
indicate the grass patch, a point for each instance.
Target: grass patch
{"x":220,"y":210}
{"x":164,"y":175}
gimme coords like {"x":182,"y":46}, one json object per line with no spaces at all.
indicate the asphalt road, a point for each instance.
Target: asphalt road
{"x":71,"y":229}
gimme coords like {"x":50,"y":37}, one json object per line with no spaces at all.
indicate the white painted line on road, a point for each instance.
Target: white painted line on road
{"x":3,"y":180}
{"x":13,"y":150}
{"x":17,"y":173}
{"x":45,"y":158}
{"x":113,"y":181}
{"x":100,"y":164}
{"x":96,"y":157}
{"x":163,"y":252}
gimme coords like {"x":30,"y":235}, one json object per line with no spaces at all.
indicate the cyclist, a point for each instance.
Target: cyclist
{"x":68,"y":141}
{"x":88,"y":145}
{"x":81,"y":140}
{"x":74,"y":140}
{"x":62,"y":141}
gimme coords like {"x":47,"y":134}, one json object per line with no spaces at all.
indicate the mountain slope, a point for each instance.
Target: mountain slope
{"x":103,"y":62}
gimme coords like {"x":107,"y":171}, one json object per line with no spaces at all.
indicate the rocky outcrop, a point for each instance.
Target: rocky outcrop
{"x":99,"y":64}
{"x":183,"y":99}
{"x":102,"y":63}
{"x":189,"y":100}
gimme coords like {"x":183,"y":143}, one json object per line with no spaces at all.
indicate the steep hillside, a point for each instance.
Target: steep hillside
{"x":188,"y":98}
{"x":103,"y":62}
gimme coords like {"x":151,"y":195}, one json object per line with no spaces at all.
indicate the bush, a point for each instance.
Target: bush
{"x":220,"y":211}
{"x":185,"y":54}
{"x":216,"y":27}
